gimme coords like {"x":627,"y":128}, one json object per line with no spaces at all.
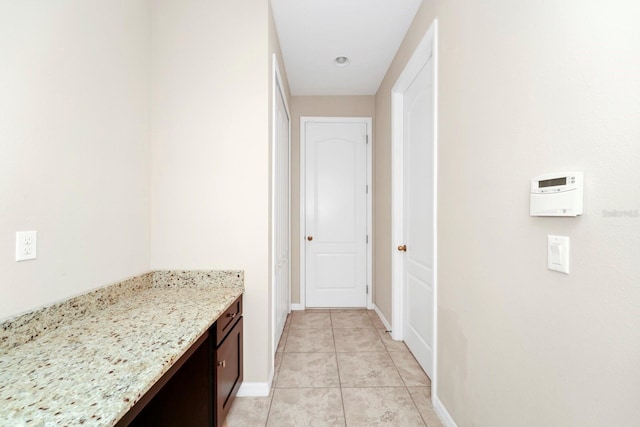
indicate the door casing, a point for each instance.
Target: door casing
{"x":426,"y":49}
{"x":303,"y":215}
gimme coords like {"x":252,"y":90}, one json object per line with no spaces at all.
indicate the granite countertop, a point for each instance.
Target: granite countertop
{"x":92,"y":370}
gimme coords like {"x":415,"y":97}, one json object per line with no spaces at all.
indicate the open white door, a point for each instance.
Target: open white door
{"x":414,"y":210}
{"x":418,"y":217}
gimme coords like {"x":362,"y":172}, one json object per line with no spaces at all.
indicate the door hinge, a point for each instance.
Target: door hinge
{"x":367,"y":189}
{"x":367,"y":289}
{"x":367,"y":138}
{"x":367,"y":239}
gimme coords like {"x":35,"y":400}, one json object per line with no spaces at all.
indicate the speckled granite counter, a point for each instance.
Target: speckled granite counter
{"x":97,"y":354}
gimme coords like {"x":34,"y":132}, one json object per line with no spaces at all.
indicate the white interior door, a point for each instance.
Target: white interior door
{"x":335,"y":214}
{"x":418,"y":216}
{"x":281,"y":210}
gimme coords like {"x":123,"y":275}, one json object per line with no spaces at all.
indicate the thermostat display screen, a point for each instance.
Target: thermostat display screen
{"x":552,"y":182}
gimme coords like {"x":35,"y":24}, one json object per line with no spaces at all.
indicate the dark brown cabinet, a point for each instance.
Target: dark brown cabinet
{"x":228,"y":371}
{"x":200,"y":387}
{"x":228,"y":366}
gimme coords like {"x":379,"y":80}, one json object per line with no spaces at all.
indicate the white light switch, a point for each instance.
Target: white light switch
{"x":558,"y":254}
{"x":26,"y":245}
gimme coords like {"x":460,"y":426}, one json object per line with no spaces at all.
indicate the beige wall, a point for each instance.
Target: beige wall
{"x":527,"y":88}
{"x":210,"y":150}
{"x":74,"y":147}
{"x":320,"y":106}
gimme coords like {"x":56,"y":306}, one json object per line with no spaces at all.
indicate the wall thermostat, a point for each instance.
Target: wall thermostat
{"x":557,"y":194}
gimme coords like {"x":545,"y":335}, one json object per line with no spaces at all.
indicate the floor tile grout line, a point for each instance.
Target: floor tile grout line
{"x":406,"y":388}
{"x":266,"y":421}
{"x":405,"y":384}
{"x":397,"y":370}
{"x":376,"y":386}
{"x":335,"y":348}
{"x":348,"y":386}
{"x":285,"y":336}
{"x":309,"y":387}
{"x":417,"y":408}
{"x":272,"y":392}
{"x":310,"y":353}
{"x":417,"y":364}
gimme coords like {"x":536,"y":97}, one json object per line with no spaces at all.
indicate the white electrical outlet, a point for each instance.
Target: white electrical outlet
{"x":26,"y":245}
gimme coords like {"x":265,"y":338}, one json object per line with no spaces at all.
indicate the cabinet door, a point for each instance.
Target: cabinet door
{"x":228,"y":371}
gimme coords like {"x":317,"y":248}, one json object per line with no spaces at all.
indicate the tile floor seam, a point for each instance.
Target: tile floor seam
{"x":335,"y":349}
{"x":405,"y":385}
{"x":376,"y":386}
{"x":398,"y":371}
{"x":284,"y":345}
{"x":319,"y":388}
{"x":418,"y":409}
{"x":273,"y":386}
{"x":266,"y":421}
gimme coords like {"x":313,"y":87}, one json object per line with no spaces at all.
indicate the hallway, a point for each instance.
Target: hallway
{"x":339,"y":367}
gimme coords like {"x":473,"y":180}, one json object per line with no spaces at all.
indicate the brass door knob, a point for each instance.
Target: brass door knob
{"x":222,"y":364}
{"x":402,"y":248}
{"x":309,"y":238}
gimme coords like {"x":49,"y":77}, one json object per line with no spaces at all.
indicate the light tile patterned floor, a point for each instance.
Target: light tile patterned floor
{"x":340,"y":368}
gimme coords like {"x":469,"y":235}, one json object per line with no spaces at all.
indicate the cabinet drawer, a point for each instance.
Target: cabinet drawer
{"x":228,"y":368}
{"x":228,"y":319}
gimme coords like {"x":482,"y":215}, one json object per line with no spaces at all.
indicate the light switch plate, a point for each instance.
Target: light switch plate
{"x":558,"y":253}
{"x":26,"y":245}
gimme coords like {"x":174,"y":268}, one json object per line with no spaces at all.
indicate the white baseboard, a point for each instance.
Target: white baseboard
{"x":381,"y":316}
{"x":297,"y":307}
{"x":442,"y":412}
{"x":254,"y":389}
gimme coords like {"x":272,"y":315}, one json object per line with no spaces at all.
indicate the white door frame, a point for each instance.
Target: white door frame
{"x":303,"y":215}
{"x":277,"y":87}
{"x":424,"y":51}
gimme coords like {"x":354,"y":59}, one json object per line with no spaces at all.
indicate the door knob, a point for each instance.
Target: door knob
{"x":309,"y":238}
{"x":402,"y":248}
{"x":222,"y":364}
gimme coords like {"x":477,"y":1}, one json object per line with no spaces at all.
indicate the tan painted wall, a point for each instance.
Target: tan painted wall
{"x":320,"y":106}
{"x":210,"y":150}
{"x":527,"y":88}
{"x":74,"y":147}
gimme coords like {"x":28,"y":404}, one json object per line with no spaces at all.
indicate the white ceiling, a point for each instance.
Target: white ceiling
{"x":314,"y":32}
